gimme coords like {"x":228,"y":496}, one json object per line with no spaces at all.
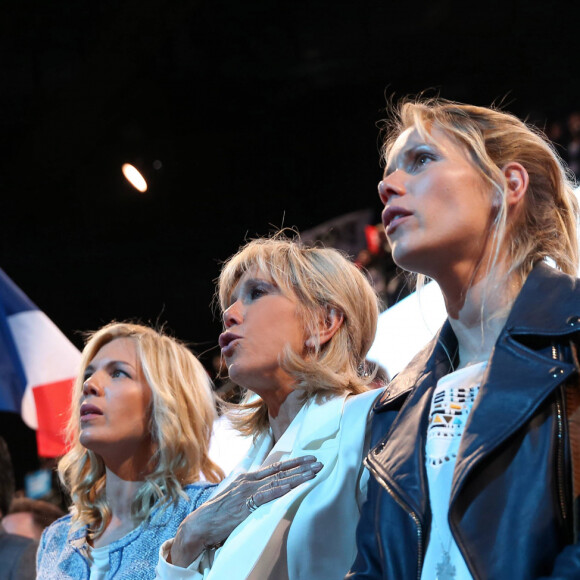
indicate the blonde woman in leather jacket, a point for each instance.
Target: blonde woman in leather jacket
{"x":471,"y":458}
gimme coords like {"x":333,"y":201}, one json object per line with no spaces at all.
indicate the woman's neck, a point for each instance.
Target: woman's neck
{"x":120,"y":496}
{"x":285,"y":413}
{"x":478,"y":315}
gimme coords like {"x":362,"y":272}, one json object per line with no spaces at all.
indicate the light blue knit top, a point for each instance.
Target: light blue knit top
{"x":62,"y":555}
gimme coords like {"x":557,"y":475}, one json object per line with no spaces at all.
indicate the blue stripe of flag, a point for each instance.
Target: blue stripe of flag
{"x":12,"y":376}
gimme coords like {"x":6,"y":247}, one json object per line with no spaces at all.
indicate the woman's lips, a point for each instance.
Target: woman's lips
{"x":227,"y":341}
{"x":89,"y":411}
{"x":393,"y":216}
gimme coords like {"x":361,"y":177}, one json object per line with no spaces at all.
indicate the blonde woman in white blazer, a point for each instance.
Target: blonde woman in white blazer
{"x":298,"y":324}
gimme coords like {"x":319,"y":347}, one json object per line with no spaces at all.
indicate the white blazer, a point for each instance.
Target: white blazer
{"x":308,"y":534}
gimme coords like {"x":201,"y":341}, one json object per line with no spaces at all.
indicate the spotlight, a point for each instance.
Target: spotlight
{"x":134,"y":177}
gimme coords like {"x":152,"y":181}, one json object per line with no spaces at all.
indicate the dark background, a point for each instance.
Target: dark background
{"x":261,"y":114}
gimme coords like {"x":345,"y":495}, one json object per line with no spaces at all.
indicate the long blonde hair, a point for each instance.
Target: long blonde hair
{"x":547,"y":226}
{"x":320,"y":279}
{"x":181,"y":419}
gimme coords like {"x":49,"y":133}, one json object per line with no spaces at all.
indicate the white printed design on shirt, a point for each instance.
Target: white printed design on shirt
{"x":449,"y":412}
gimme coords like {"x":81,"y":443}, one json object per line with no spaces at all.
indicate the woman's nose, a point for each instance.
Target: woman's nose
{"x":390,"y":185}
{"x":91,"y":386}
{"x":232,"y":315}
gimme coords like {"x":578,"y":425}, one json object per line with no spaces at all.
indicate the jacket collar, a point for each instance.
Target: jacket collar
{"x":316,"y":421}
{"x":323,"y":421}
{"x":548,"y":304}
{"x":434,"y":359}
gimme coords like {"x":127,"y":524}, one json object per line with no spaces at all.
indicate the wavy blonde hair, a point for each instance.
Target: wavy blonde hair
{"x":547,"y":225}
{"x":320,"y":279}
{"x":181,"y":419}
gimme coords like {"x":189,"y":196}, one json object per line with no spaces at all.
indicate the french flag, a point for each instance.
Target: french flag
{"x":38,"y":365}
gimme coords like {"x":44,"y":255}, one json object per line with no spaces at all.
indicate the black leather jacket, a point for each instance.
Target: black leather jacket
{"x":510,"y":508}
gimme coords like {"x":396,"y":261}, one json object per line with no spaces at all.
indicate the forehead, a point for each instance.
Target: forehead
{"x":121,"y":349}
{"x":408,"y":138}
{"x":253,"y":273}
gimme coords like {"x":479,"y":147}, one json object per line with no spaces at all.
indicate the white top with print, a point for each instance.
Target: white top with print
{"x":451,"y":404}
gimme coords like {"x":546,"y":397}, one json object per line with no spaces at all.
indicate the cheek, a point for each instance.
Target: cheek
{"x":289,"y":329}
{"x":142,"y":411}
{"x":130,"y":406}
{"x":147,"y":402}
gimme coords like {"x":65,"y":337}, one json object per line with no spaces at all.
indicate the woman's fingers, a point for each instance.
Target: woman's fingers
{"x":267,"y":495}
{"x":300,"y":463}
{"x":292,"y":477}
{"x":281,"y":483}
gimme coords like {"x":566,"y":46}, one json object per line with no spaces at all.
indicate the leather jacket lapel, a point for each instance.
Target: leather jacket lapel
{"x":509,"y":396}
{"x":400,"y":461}
{"x":511,"y":392}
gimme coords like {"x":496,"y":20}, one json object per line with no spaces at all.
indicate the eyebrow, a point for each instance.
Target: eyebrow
{"x":91,"y":367}
{"x":258,"y":279}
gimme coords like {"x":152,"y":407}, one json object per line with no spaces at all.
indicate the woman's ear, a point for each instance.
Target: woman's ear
{"x":327,"y":327}
{"x":517,"y":180}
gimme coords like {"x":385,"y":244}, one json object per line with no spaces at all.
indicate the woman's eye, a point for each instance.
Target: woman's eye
{"x":257,"y":292}
{"x":117,"y":373}
{"x":422,"y":159}
{"x":255,"y":289}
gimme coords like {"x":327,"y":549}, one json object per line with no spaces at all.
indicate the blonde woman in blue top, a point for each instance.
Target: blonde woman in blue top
{"x":142,"y":415}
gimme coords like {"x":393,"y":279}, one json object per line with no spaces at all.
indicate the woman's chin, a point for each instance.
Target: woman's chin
{"x":415,"y":261}
{"x":238,"y":376}
{"x":89,"y":441}
{"x":406,"y":262}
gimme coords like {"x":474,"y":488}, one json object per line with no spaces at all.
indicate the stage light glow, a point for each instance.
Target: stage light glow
{"x":134,"y":177}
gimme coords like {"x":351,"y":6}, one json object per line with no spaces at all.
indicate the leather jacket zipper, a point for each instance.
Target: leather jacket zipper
{"x":560,"y":444}
{"x":560,"y":459}
{"x":410,"y":512}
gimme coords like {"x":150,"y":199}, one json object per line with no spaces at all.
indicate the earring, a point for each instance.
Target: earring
{"x":363,"y":369}
{"x":310,"y":342}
